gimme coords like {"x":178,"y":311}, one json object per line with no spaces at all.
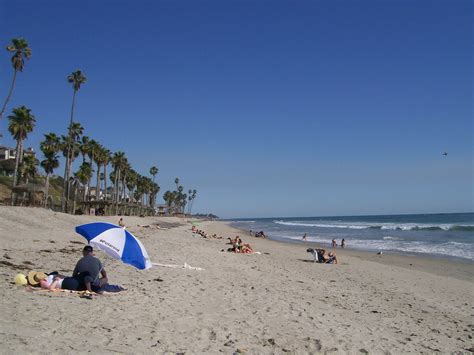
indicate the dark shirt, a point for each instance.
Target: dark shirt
{"x":87,"y":269}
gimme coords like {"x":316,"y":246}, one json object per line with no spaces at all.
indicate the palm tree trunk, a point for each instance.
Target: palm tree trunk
{"x":68,"y":182}
{"x":86,"y":189}
{"x":63,"y":199}
{"x":17,"y":164}
{"x":74,"y":202}
{"x":116,"y":197}
{"x":88,"y":195}
{"x":9,"y":94}
{"x":46,"y":186}
{"x":97,"y":188}
{"x":105,"y":181}
{"x":68,"y":157}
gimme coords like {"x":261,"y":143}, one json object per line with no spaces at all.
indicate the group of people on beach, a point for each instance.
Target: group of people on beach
{"x":334,"y":243}
{"x":88,"y":275}
{"x":236,"y":244}
{"x":258,"y":234}
{"x":204,"y":234}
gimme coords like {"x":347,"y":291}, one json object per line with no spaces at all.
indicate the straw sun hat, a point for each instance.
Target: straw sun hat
{"x":35,"y":277}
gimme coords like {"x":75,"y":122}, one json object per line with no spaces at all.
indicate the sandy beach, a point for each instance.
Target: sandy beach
{"x":274,"y":302}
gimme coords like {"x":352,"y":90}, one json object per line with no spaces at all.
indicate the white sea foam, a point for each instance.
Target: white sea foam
{"x":301,"y":224}
{"x":388,"y":237}
{"x":367,"y":225}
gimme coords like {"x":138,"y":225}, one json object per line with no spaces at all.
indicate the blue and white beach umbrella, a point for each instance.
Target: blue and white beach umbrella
{"x":116,"y":242}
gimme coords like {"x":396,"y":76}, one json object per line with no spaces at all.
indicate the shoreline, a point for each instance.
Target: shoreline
{"x":422,"y":262}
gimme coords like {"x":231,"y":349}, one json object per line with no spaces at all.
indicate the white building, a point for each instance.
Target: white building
{"x":10,"y":153}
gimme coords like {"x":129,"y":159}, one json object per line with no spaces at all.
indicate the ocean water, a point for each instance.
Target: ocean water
{"x":447,"y":235}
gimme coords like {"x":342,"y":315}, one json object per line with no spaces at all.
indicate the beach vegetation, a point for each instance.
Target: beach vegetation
{"x":21,"y":51}
{"x":21,"y":123}
{"x":50,"y":147}
{"x":77,"y":79}
{"x":130,"y":192}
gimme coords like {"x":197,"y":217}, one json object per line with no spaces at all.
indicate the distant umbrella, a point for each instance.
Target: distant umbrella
{"x":116,"y":242}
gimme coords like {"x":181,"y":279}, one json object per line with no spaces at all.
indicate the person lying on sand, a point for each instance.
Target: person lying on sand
{"x":246,"y":248}
{"x":52,"y":281}
{"x":205,"y":235}
{"x":55,"y":281}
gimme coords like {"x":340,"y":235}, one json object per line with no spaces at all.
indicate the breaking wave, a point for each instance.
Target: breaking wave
{"x":386,"y":226}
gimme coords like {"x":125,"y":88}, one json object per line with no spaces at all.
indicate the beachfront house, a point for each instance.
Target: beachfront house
{"x":161,"y":210}
{"x":10,"y":153}
{"x":7,"y":159}
{"x":7,"y":153}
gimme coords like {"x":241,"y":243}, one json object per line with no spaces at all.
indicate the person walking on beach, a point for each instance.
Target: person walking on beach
{"x":304,"y":236}
{"x":88,"y":269}
{"x":343,"y":243}
{"x":334,"y":244}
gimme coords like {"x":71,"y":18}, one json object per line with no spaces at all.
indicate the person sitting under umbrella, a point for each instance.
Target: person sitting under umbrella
{"x":87,"y":271}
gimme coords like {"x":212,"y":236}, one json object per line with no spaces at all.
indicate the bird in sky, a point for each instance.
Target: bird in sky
{"x":445,"y":154}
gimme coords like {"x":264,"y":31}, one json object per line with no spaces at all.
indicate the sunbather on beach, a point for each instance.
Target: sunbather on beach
{"x":52,"y":281}
{"x":246,"y":248}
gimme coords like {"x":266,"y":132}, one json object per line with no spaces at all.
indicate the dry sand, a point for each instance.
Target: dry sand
{"x":276,"y":302}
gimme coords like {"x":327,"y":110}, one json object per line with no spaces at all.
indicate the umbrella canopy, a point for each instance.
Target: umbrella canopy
{"x":116,"y":242}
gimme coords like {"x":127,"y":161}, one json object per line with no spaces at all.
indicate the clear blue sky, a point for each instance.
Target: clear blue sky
{"x":267,"y":108}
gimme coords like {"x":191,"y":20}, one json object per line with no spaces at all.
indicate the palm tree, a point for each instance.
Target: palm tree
{"x":118,"y":162}
{"x":107,"y":156}
{"x":76,"y":79}
{"x":50,"y":163}
{"x":28,"y":170}
{"x":90,"y":153}
{"x":84,"y":147}
{"x":193,"y":196}
{"x":84,"y":174}
{"x":50,"y":146}
{"x":153,"y":172}
{"x":155,"y":188}
{"x":190,"y":197}
{"x":97,"y":153}
{"x":21,"y":122}
{"x":20,"y":49}
{"x":71,"y":150}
